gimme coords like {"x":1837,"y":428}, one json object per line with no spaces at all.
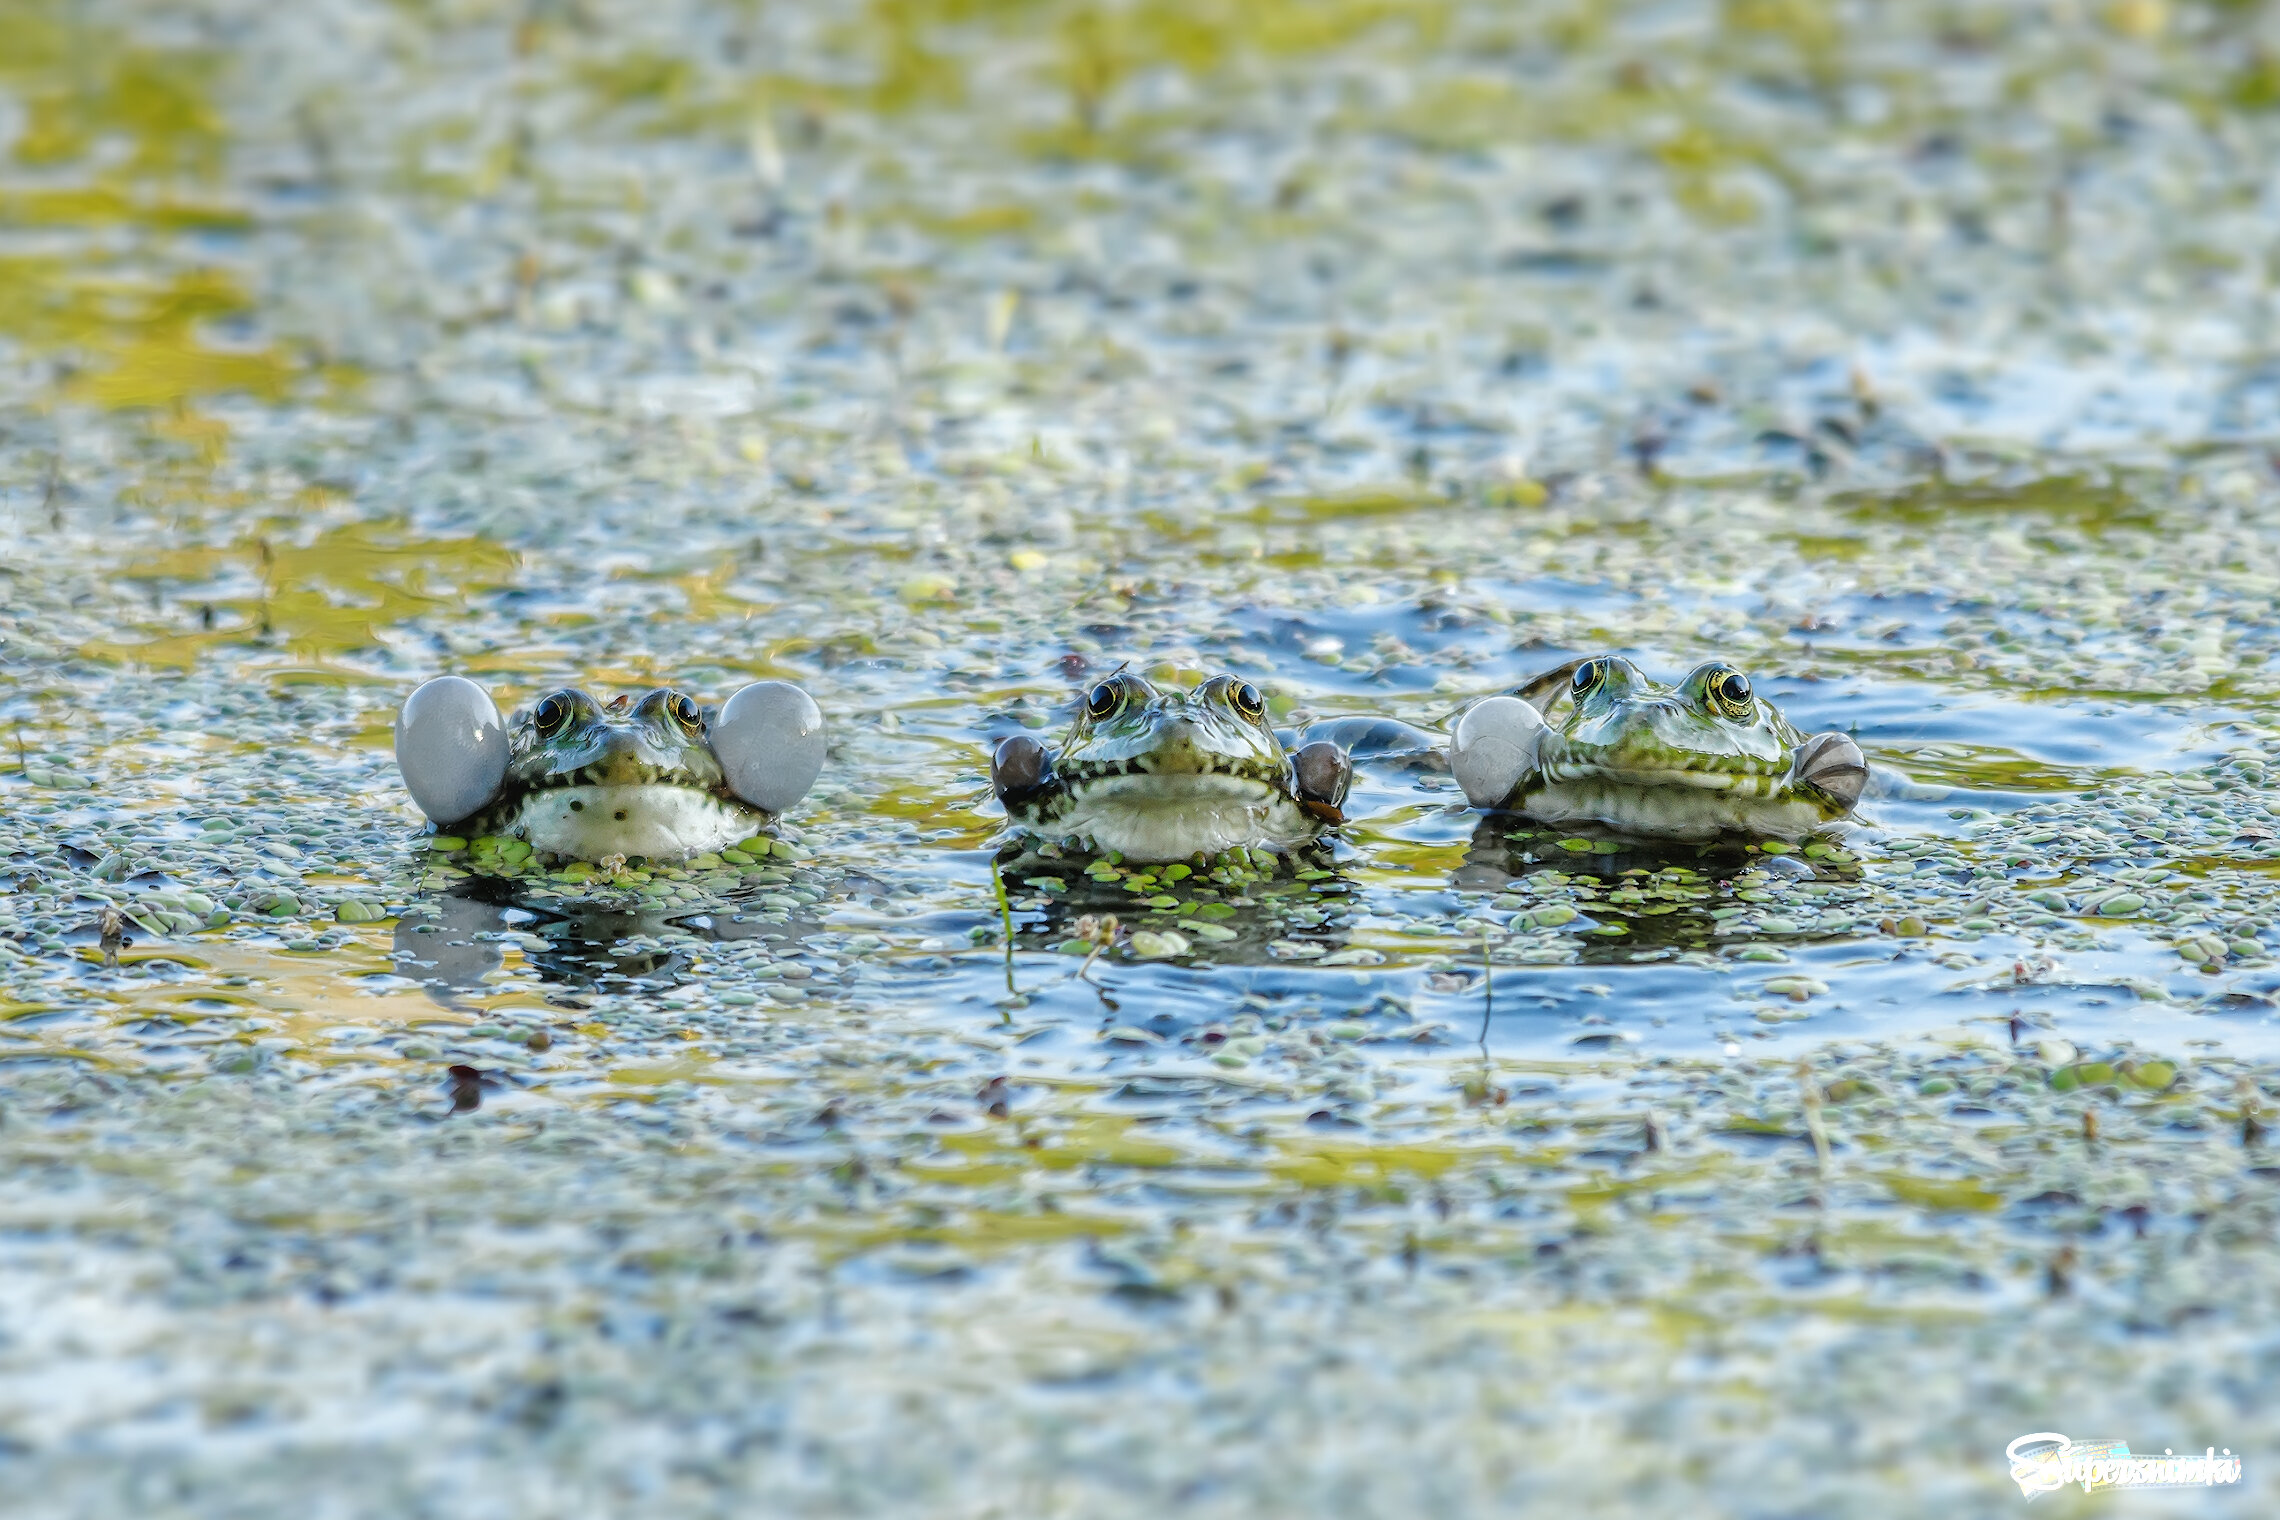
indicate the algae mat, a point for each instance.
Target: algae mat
{"x":937,"y":356}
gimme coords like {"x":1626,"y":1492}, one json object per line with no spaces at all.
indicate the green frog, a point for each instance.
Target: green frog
{"x":659,"y":777}
{"x":1706,"y":757}
{"x":1163,"y":775}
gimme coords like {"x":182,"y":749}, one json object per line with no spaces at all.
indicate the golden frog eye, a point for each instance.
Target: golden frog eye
{"x":1587,"y":675}
{"x":684,"y":712}
{"x":1247,"y":700}
{"x":551,"y":715}
{"x":1731,"y":690}
{"x":1101,"y":700}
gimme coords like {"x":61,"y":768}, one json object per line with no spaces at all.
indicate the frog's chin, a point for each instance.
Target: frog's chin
{"x":1662,"y":810}
{"x":1149,"y":818}
{"x":650,"y":820}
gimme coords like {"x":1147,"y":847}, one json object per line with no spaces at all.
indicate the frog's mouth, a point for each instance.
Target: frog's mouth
{"x":627,"y":799}
{"x":1506,"y":757}
{"x":1679,"y":794}
{"x":1825,"y":770}
{"x":625,"y":767}
{"x":1175,"y":753}
{"x":1562,"y":761}
{"x":1177,"y":799}
{"x":1142,"y":780}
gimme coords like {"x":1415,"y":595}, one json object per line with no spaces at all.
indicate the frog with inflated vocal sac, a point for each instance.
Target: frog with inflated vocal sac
{"x":660,"y":777}
{"x":1705,"y":757}
{"x":1162,"y":775}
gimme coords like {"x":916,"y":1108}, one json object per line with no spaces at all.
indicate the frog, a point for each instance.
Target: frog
{"x":1596,"y":740}
{"x":1156,"y":774}
{"x":657,"y":777}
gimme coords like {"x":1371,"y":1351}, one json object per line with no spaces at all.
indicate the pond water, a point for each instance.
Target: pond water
{"x":941,"y":357}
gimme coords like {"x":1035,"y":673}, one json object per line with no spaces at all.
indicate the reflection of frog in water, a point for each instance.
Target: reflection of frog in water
{"x":1706,"y":757}
{"x":1234,"y":910}
{"x":661,"y":778}
{"x":1663,"y":895}
{"x":585,"y":947}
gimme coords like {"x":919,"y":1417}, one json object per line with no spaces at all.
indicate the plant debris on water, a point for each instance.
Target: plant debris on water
{"x":941,"y":358}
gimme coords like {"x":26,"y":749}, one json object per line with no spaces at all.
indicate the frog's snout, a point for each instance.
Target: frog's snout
{"x":1494,"y":747}
{"x":451,"y":748}
{"x":1177,"y":734}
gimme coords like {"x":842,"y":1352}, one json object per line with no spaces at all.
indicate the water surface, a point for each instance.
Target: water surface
{"x":940,"y":357}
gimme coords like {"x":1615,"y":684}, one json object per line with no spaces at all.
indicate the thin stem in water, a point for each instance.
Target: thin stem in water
{"x":1005,"y":914}
{"x":1487,"y":990}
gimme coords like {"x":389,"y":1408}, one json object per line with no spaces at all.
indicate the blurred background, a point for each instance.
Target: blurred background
{"x":1157,"y":248}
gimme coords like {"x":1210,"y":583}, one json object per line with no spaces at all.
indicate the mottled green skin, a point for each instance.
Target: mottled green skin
{"x":1630,"y":727}
{"x":1163,"y":732}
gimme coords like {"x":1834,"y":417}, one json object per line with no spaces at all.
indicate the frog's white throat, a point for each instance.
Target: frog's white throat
{"x":1152,"y":818}
{"x":655,"y":821}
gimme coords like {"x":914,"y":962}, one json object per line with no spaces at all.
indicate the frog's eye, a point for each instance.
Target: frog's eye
{"x":1101,"y":700}
{"x":1247,"y":700}
{"x":684,"y":712}
{"x":551,"y":715}
{"x":1587,"y":675}
{"x":1730,"y":689}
